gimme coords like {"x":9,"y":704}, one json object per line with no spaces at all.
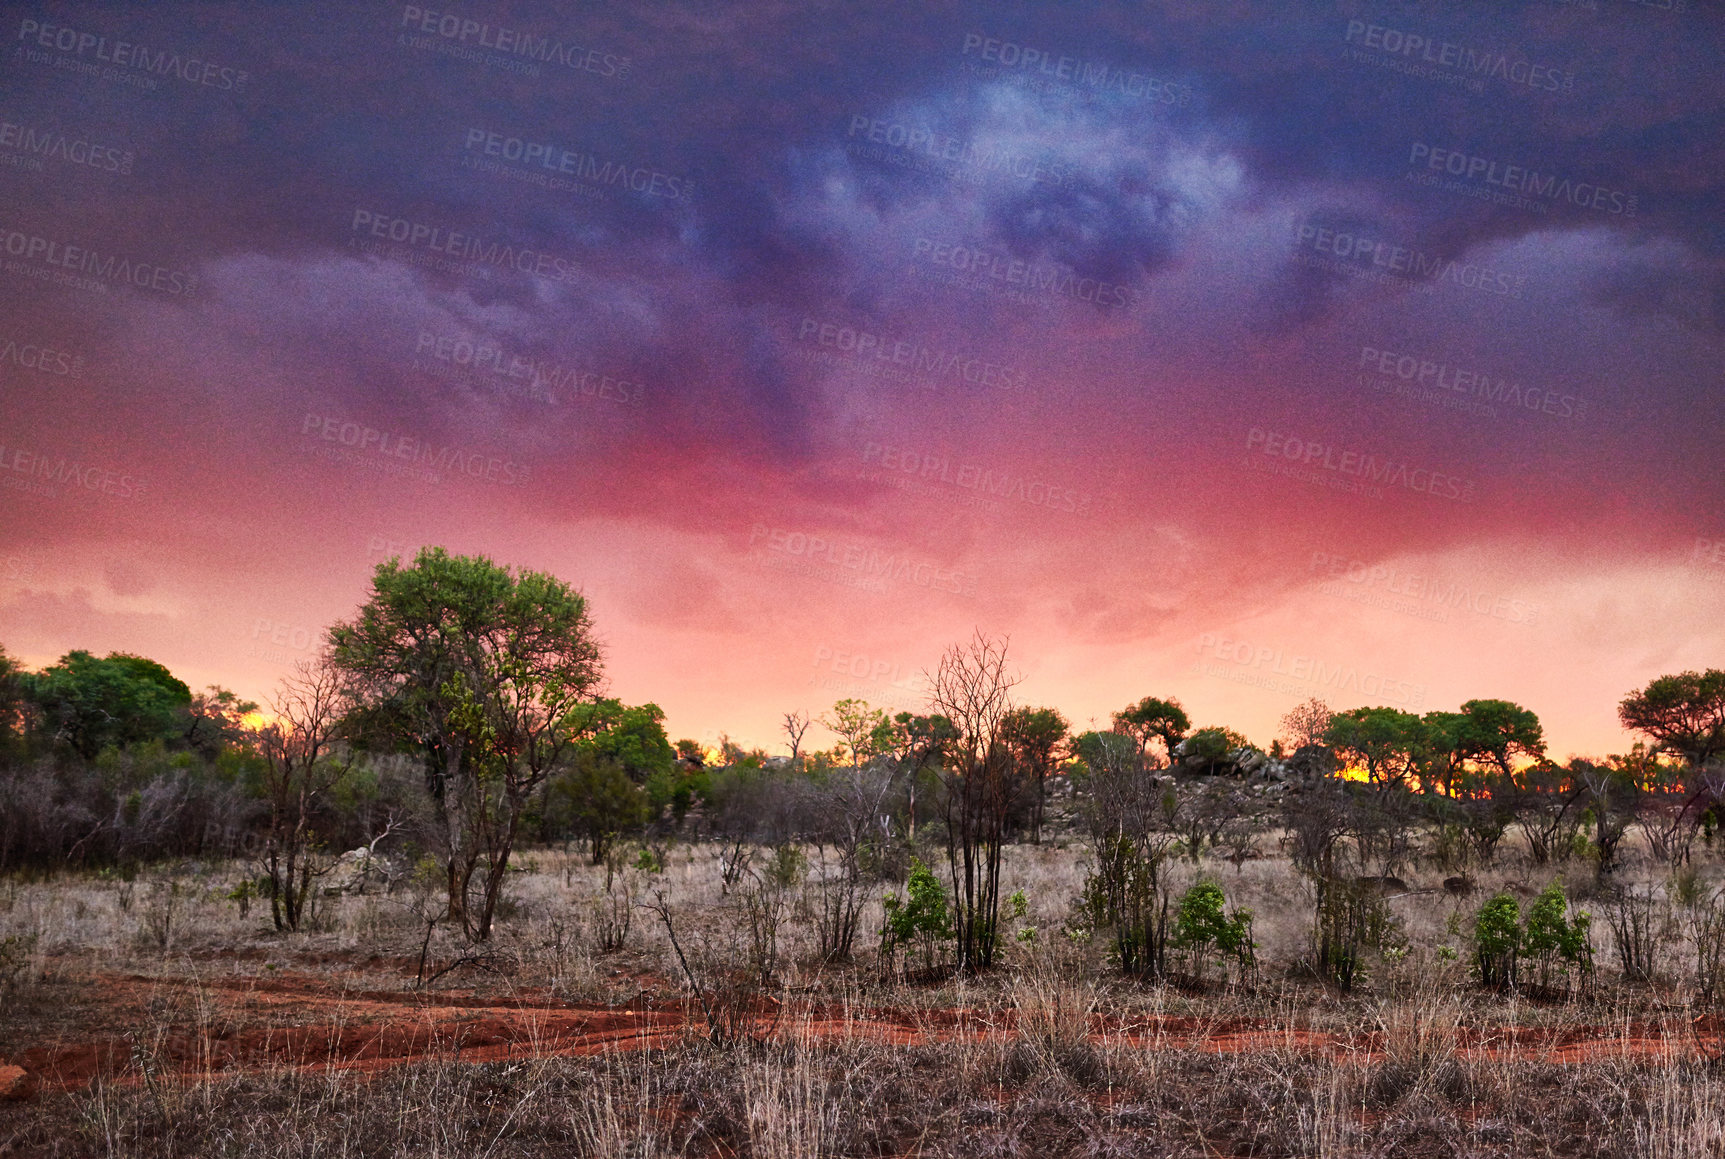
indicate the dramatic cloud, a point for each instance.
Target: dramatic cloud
{"x":1226,"y":352}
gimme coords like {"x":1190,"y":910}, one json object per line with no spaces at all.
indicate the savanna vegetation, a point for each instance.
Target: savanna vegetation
{"x":443,"y":894}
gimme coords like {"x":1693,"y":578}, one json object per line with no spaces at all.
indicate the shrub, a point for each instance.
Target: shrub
{"x":1200,"y":926}
{"x":1497,"y":941}
{"x":1018,"y":908}
{"x":1551,"y":936}
{"x":1707,"y":932}
{"x":1639,"y":923}
{"x":1352,"y":918}
{"x":16,"y":951}
{"x":1126,"y":893}
{"x":921,"y":918}
{"x":787,"y":867}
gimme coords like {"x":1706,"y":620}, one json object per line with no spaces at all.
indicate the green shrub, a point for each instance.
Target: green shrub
{"x":1200,"y":925}
{"x":1497,"y":940}
{"x":1551,"y":937}
{"x":921,"y":918}
{"x":1018,"y":908}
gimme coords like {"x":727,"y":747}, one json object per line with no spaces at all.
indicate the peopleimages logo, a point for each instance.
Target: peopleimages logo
{"x":916,"y":359}
{"x":1419,"y":591}
{"x":974,"y":477}
{"x":480,"y":253}
{"x":1356,"y":252}
{"x":462,"y":33}
{"x":642,"y":179}
{"x":854,"y":564}
{"x":543,"y":378}
{"x":1441,"y":376}
{"x":1473,"y":63}
{"x":1249,"y":662}
{"x":989,"y":266}
{"x":40,"y":358}
{"x":1363,"y":466}
{"x":33,"y":143}
{"x":137,"y":57}
{"x":33,"y":471}
{"x":874,"y":670}
{"x":1085,"y":75}
{"x":923,"y":143}
{"x":60,"y":255}
{"x":359,"y":439}
{"x":1518,"y":180}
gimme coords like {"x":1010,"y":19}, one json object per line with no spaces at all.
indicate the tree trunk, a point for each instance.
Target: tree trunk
{"x":497,"y":865}
{"x":458,"y":803}
{"x":1036,"y":813}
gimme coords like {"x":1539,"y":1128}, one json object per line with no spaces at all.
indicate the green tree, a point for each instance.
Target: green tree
{"x":121,"y":699}
{"x":1207,"y":750}
{"x":634,"y":738}
{"x":481,"y":669}
{"x":1154,"y":719}
{"x":1035,"y":736}
{"x":859,"y":726}
{"x":1388,"y":745}
{"x":1682,"y":714}
{"x":596,"y":799}
{"x":215,"y":719}
{"x":1552,"y":939}
{"x":1494,"y":733}
{"x":921,"y":918}
{"x":1445,"y":764}
{"x":917,"y":742}
{"x":632,"y":735}
{"x":12,"y":696}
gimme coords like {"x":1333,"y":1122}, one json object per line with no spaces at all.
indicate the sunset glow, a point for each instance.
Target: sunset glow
{"x":1224,"y":353}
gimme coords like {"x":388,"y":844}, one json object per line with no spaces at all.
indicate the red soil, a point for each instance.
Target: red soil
{"x":233,"y":1025}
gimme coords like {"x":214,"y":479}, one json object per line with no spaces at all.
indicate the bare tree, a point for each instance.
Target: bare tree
{"x":796,"y":724}
{"x":303,"y":760}
{"x":1131,"y":814}
{"x":845,"y":809}
{"x":1305,"y":724}
{"x":972,"y":689}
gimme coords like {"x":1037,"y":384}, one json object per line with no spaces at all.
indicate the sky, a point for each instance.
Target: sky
{"x":1236,"y":353}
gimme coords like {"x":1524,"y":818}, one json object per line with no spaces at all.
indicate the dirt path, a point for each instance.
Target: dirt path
{"x":224,"y":1026}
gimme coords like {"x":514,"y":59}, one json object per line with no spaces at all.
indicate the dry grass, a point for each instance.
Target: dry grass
{"x":1049,"y":1055}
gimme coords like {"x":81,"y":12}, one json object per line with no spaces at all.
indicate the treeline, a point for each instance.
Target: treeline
{"x":462,"y":712}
